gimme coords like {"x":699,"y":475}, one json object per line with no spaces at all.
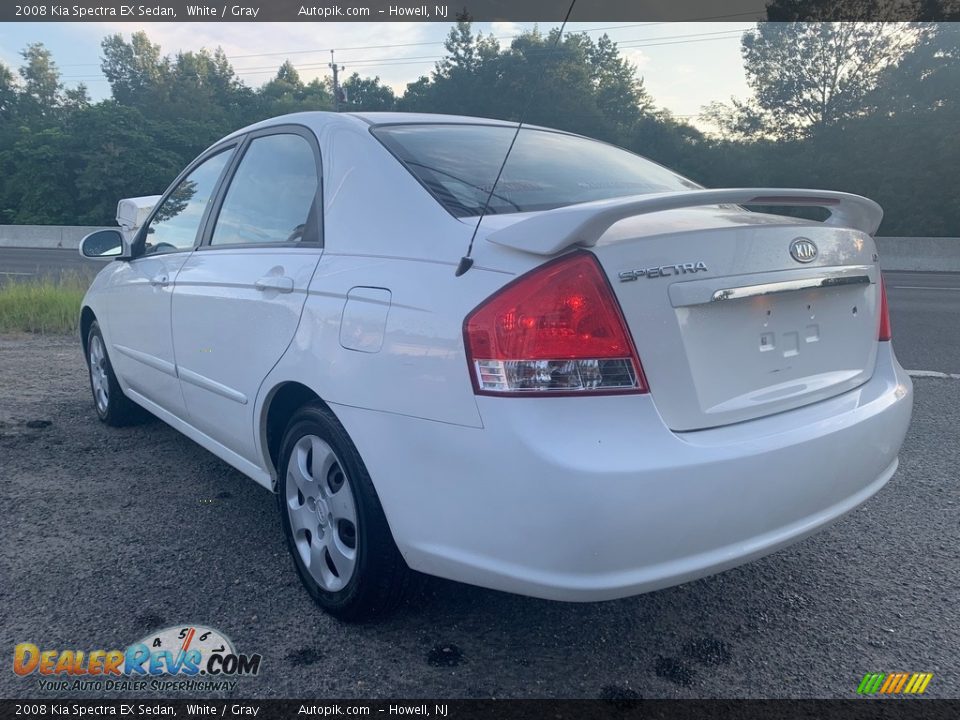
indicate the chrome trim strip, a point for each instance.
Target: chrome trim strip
{"x":745,"y":291}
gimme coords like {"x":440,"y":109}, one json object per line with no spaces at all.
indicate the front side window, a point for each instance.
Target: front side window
{"x":175,"y":224}
{"x":271,"y":195}
{"x":546,"y":169}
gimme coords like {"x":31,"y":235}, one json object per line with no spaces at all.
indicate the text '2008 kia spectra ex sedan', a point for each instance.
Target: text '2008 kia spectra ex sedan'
{"x":636,"y":383}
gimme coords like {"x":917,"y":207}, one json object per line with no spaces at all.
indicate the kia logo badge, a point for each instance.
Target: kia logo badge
{"x":803,"y":250}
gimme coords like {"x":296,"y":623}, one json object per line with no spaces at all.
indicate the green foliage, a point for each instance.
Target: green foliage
{"x":867,"y":108}
{"x":840,"y":10}
{"x":367,"y":95}
{"x":578,"y":84}
{"x":286,"y":93}
{"x":41,"y":81}
{"x":848,"y":106}
{"x":808,"y":76}
{"x":41,"y":306}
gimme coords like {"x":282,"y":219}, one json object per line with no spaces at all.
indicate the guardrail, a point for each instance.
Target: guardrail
{"x":923,"y":254}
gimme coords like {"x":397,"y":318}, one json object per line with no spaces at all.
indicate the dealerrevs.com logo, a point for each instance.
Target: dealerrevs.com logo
{"x":186,"y":657}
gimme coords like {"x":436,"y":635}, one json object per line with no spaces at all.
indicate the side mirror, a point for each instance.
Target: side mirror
{"x":103,"y":245}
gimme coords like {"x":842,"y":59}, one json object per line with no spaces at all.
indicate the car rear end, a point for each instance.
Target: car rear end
{"x":690,"y":421}
{"x":673,"y":387}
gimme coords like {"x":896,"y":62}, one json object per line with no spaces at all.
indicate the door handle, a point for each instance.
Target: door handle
{"x":280,"y":283}
{"x":159,"y":281}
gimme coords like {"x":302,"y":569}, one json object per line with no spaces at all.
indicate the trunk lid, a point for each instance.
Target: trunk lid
{"x":729,"y":325}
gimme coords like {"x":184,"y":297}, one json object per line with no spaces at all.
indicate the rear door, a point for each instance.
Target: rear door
{"x":238,"y":298}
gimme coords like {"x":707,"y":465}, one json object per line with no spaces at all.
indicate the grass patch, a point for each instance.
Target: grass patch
{"x":42,"y":306}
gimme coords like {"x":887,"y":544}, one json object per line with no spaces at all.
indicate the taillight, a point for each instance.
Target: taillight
{"x":884,"y":312}
{"x":556,"y":330}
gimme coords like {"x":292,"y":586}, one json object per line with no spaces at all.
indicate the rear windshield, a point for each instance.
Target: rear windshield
{"x":459,"y":163}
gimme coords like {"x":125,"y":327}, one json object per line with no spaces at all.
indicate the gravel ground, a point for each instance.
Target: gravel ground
{"x":109,"y":534}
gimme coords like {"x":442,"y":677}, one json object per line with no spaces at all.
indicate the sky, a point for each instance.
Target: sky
{"x":684,"y":65}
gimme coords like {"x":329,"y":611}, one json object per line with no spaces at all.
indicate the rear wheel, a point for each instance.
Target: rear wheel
{"x":333,"y":521}
{"x":113,"y":407}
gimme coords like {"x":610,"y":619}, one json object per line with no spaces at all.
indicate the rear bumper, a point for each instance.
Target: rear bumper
{"x":547,"y":500}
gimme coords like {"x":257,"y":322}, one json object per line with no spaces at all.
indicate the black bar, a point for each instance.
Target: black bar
{"x":894,"y":708}
{"x":478,"y":10}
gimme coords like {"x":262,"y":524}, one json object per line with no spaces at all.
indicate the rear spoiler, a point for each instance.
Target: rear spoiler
{"x":551,"y":231}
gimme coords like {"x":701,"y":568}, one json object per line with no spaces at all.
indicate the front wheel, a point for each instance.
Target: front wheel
{"x":333,"y":521}
{"x":113,"y":407}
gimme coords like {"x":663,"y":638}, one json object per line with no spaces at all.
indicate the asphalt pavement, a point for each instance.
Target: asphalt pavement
{"x":109,"y":534}
{"x":26,"y":263}
{"x":925,"y":318}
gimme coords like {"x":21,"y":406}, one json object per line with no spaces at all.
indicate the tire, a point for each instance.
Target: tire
{"x":334,"y":524}
{"x":112,"y":406}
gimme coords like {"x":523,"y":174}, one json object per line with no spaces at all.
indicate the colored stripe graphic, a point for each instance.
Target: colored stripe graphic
{"x":890,"y":682}
{"x":903,"y":680}
{"x":918,"y":683}
{"x":894,"y":683}
{"x":870,"y":683}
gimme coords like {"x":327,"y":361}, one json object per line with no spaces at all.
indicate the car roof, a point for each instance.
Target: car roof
{"x":319,"y":118}
{"x":393,"y":118}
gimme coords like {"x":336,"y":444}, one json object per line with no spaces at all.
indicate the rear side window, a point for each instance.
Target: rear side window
{"x":271,"y":195}
{"x":458,"y":164}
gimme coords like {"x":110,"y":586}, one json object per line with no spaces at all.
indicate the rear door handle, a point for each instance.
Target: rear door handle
{"x":280,"y":283}
{"x":159,"y":281}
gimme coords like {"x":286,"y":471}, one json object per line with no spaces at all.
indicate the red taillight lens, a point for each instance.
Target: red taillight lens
{"x":884,"y":312}
{"x":555,"y":330}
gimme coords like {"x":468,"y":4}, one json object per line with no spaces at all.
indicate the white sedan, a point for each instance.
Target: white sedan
{"x":638,"y":382}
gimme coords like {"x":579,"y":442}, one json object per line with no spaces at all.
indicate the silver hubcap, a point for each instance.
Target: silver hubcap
{"x":98,"y":374}
{"x":323,"y":513}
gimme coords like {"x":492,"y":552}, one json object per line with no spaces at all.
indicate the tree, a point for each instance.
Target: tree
{"x":851,"y":10}
{"x":676,"y":144}
{"x":8,"y":92}
{"x":465,"y":81}
{"x":417,"y":95}
{"x":136,"y":71}
{"x":556,"y":83}
{"x":287,"y":75}
{"x":114,"y":151}
{"x":809,"y":76}
{"x":368,"y":94}
{"x":620,"y":95}
{"x":927,"y":78}
{"x":889,"y":134}
{"x":286,"y":93}
{"x":466,"y":52}
{"x":76,"y":98}
{"x":41,"y":81}
{"x":571,"y":82}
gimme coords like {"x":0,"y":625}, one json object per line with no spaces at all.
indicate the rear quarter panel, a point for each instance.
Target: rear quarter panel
{"x":385,"y":237}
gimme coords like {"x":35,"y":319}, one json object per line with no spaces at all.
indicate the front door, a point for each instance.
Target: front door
{"x":140,"y":291}
{"x":238,"y":298}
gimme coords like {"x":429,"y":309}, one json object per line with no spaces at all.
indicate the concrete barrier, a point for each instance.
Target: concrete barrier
{"x":924,"y":254}
{"x":44,"y":236}
{"x":896,"y":253}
